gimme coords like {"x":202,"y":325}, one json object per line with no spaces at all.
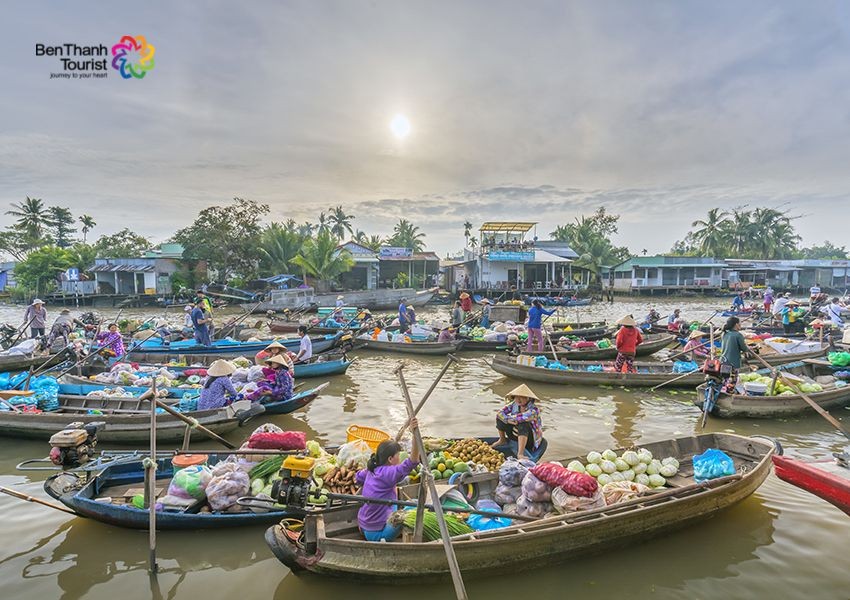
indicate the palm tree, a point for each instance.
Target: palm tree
{"x":373,"y":242}
{"x":88,"y":224}
{"x":32,"y":221}
{"x":561,"y":233}
{"x":739,"y":232}
{"x":467,"y":231}
{"x":711,"y":235}
{"x":323,"y":222}
{"x":473,"y":242}
{"x":407,"y":235}
{"x":340,"y":222}
{"x":306,"y":229}
{"x":279,"y":245}
{"x":322,"y":258}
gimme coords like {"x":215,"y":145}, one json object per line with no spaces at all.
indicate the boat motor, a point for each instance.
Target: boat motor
{"x":74,"y":445}
{"x":293,"y":487}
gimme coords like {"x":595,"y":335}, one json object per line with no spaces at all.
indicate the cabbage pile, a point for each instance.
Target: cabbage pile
{"x":781,"y":388}
{"x":633,"y":465}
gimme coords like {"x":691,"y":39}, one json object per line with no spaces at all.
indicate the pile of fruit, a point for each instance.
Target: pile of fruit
{"x":633,"y":465}
{"x":443,"y":466}
{"x":477,"y":451}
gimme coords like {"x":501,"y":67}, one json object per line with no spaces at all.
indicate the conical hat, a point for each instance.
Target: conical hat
{"x":464,"y":295}
{"x":275,"y":344}
{"x":696,"y":333}
{"x":220,"y":368}
{"x":521,"y":390}
{"x":628,"y":321}
{"x":279,"y":359}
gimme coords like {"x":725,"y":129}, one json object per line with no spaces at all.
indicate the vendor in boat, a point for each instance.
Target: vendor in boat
{"x":650,"y":319}
{"x":519,"y":425}
{"x":273,"y":349}
{"x":163,"y":332}
{"x":411,"y":315}
{"x":36,"y":317}
{"x":833,"y":310}
{"x":466,"y":305}
{"x":535,"y":325}
{"x":206,"y":305}
{"x":457,"y":314}
{"x":768,"y":300}
{"x":218,"y":390}
{"x":188,"y":327}
{"x":305,"y":348}
{"x":733,"y":348}
{"x":792,"y":317}
{"x":403,"y":321}
{"x":446,"y":335}
{"x":738,"y":302}
{"x":62,"y":328}
{"x":485,"y":313}
{"x":111,"y":340}
{"x":277,"y":384}
{"x":200,"y":324}
{"x":384,"y":472}
{"x":696,"y":348}
{"x":674,"y":321}
{"x":627,"y":340}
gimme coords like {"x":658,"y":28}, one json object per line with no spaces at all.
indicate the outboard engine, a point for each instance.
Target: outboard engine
{"x":74,"y":445}
{"x":293,"y":487}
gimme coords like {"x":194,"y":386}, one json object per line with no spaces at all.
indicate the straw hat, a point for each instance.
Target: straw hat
{"x":787,"y":294}
{"x":279,"y":359}
{"x":464,"y":295}
{"x":340,"y":297}
{"x":220,"y":367}
{"x":696,"y":334}
{"x":187,"y":308}
{"x":521,"y":390}
{"x":37,"y":301}
{"x":792,"y":303}
{"x":410,"y":306}
{"x":162,"y":323}
{"x":486,"y":301}
{"x":628,"y":321}
{"x":64,"y":311}
{"x":276,"y":344}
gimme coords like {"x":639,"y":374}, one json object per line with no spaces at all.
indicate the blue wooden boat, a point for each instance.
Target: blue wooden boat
{"x":315,"y":368}
{"x":225,"y":348}
{"x":102,"y":498}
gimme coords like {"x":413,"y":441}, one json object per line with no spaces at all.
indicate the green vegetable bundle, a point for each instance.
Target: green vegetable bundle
{"x":270,"y":466}
{"x":431,"y":528}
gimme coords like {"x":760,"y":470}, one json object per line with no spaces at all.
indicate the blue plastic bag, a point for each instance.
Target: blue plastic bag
{"x":540,"y":361}
{"x":485,"y":523}
{"x":684,"y":366}
{"x":712,"y":464}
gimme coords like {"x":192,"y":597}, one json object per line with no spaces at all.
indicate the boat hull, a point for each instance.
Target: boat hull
{"x":422,"y":348}
{"x":156,"y":352}
{"x":651,"y":345}
{"x":381,"y":299}
{"x":825,"y":479}
{"x":509,"y":367}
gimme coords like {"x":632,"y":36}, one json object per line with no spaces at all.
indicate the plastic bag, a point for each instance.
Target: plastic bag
{"x":534,"y":489}
{"x":712,"y":464}
{"x":839,"y":359}
{"x":683,"y":366}
{"x":227,"y":485}
{"x":284,"y":440}
{"x":255,"y":373}
{"x":354,"y":454}
{"x":621,"y":491}
{"x":564,"y":502}
{"x":485,"y":523}
{"x":512,"y":471}
{"x":572,"y":482}
{"x":188,"y":486}
{"x":527,"y":508}
{"x":505,"y":494}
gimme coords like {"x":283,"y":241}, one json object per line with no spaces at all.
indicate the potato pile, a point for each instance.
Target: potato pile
{"x":341,"y":480}
{"x":477,"y":451}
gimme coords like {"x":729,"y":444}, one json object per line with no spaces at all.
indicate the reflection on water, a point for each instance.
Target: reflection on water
{"x":781,"y":542}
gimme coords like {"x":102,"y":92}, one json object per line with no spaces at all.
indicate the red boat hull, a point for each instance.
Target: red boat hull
{"x":822,"y":478}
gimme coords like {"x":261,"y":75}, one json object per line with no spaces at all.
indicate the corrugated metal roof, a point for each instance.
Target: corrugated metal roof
{"x":506,"y":226}
{"x":414,"y":257}
{"x":122,"y":269}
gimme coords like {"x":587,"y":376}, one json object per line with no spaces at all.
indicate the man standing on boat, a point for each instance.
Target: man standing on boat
{"x":403,"y":319}
{"x":199,"y":324}
{"x":305,"y":348}
{"x":36,"y":317}
{"x":206,"y":305}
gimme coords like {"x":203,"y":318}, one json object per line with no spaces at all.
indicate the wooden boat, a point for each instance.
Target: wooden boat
{"x":778,"y":358}
{"x":652,"y":343}
{"x":590,"y":334}
{"x":22,"y":362}
{"x":826,"y":478}
{"x":153,"y":351}
{"x":322,"y":365}
{"x":769,"y":407}
{"x":378,"y":299}
{"x":424,"y":348}
{"x":102,"y":496}
{"x":332,"y":544}
{"x":649,"y":373}
{"x":128,"y":419}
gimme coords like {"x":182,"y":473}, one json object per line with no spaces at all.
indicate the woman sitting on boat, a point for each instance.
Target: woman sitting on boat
{"x":385,"y":471}
{"x":277,"y":385}
{"x":519,"y":425}
{"x":696,"y":347}
{"x":273,"y":349}
{"x":628,"y":339}
{"x":446,"y":335}
{"x":111,"y":341}
{"x":218,"y":389}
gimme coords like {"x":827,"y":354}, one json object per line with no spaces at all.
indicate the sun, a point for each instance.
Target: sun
{"x":400,"y":126}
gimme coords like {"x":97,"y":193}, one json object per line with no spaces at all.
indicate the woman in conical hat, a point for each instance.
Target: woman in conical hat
{"x":218,"y":389}
{"x":519,"y":425}
{"x":277,"y":384}
{"x":628,"y":339}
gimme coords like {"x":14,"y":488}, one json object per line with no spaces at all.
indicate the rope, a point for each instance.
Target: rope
{"x":193,"y":423}
{"x":148,"y":463}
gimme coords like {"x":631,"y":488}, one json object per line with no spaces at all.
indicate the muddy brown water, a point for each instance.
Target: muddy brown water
{"x":779,"y":543}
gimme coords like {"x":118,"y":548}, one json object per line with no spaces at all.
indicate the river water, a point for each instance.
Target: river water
{"x":779,"y":543}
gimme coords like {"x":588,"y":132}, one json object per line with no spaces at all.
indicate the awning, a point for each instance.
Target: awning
{"x":506,"y":227}
{"x":122,"y":269}
{"x":548,"y":257}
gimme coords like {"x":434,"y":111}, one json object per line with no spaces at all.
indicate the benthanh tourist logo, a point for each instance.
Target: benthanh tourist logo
{"x":132,"y":58}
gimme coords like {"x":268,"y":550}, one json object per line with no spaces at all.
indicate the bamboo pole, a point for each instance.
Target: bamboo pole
{"x":150,"y":476}
{"x":450,"y":359}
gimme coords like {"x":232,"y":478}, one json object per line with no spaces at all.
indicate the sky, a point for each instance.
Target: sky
{"x":538,"y":111}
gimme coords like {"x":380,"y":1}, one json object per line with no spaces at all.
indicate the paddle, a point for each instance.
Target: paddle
{"x":457,"y":578}
{"x":21,"y":331}
{"x":792,"y":384}
{"x":150,"y":487}
{"x":191,"y":422}
{"x":21,"y":496}
{"x":233,"y":324}
{"x":708,"y":403}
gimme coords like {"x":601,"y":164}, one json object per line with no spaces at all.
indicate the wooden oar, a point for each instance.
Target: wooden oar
{"x":232,"y":326}
{"x":675,"y":379}
{"x":793,"y":384}
{"x":706,"y":405}
{"x":189,"y":421}
{"x":449,"y":360}
{"x":21,"y":496}
{"x":457,"y":578}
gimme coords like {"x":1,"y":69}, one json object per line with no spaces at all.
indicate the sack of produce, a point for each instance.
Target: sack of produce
{"x":512,"y":471}
{"x":227,"y":485}
{"x":620,"y":491}
{"x":484,"y":523}
{"x":527,"y":508}
{"x":354,"y":454}
{"x":712,"y":464}
{"x":255,"y":373}
{"x":839,"y":359}
{"x":187,"y":486}
{"x":684,"y":366}
{"x":505,"y":494}
{"x":534,"y":489}
{"x":572,"y":482}
{"x":285,"y":440}
{"x":564,"y":502}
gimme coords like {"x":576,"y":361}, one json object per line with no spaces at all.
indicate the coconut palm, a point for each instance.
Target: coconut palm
{"x":739,"y":232}
{"x":340,"y":222}
{"x":279,"y":245}
{"x":373,"y":242}
{"x":33,"y":218}
{"x":324,"y":225}
{"x":407,"y":235}
{"x":88,"y":224}
{"x":322,"y":258}
{"x":473,"y":242}
{"x":467,"y":231}
{"x":711,"y":234}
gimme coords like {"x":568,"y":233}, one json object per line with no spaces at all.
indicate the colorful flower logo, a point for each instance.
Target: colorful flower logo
{"x":133,"y":56}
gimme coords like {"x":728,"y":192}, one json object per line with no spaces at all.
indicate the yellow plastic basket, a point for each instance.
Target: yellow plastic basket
{"x":373,"y":437}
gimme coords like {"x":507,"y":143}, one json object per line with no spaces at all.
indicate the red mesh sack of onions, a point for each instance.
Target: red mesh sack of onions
{"x":283,"y":440}
{"x":577,"y":484}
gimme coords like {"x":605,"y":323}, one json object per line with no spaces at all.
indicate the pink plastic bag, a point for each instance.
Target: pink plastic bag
{"x":577,"y":484}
